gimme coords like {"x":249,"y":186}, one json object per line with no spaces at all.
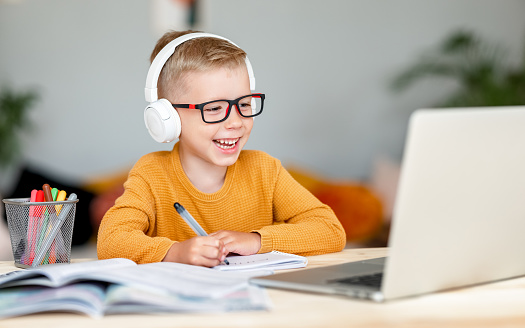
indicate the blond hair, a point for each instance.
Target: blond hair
{"x":196,"y":55}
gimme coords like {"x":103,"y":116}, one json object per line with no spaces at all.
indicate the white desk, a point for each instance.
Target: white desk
{"x":500,"y":304}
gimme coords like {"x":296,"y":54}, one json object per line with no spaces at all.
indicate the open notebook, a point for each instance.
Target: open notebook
{"x":273,"y":260}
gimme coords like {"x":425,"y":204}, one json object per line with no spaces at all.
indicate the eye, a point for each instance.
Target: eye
{"x":214,"y":108}
{"x":245,"y":105}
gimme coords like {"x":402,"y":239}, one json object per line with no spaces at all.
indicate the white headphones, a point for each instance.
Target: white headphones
{"x":162,"y":120}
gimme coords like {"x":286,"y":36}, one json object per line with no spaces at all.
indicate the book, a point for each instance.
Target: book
{"x":273,"y":260}
{"x":111,"y":286}
{"x":96,"y":300}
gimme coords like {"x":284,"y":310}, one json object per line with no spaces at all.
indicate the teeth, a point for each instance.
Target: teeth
{"x":226,"y":144}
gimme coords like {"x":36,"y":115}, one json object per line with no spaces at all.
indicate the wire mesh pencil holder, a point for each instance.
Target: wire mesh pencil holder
{"x":40,"y":232}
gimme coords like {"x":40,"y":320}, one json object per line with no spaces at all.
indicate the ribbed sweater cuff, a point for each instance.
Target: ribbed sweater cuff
{"x":162,"y":250}
{"x":266,"y":242}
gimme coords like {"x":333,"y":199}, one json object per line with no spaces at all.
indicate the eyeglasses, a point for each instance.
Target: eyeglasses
{"x":218,"y":110}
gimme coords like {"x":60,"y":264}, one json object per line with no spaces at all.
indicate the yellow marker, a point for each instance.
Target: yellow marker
{"x":61,"y":197}
{"x":52,"y":255}
{"x":57,"y":196}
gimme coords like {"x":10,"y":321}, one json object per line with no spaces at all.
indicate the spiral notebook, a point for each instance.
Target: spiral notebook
{"x":273,"y":260}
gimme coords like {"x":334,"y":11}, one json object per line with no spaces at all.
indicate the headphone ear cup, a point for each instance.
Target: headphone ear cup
{"x":162,"y":121}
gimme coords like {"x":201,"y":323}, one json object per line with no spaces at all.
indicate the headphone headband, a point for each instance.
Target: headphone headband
{"x":162,"y":57}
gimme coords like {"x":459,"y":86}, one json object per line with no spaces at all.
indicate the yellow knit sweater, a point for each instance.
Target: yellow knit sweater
{"x":258,"y":195}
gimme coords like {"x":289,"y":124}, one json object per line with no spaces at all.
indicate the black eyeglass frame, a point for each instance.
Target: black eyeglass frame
{"x":231,"y":103}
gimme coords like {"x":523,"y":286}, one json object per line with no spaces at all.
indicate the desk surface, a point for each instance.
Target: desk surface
{"x":500,"y":304}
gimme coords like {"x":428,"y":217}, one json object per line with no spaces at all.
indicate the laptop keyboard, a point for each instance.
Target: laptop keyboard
{"x":369,"y":280}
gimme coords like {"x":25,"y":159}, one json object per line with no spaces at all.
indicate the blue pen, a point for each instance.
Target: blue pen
{"x":194,"y":225}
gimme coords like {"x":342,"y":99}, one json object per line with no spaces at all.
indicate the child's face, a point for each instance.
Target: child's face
{"x":217,"y":144}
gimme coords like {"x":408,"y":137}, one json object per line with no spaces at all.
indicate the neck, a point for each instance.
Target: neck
{"x":204,"y":176}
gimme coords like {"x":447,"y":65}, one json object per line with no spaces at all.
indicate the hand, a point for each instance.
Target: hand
{"x":206,"y":251}
{"x":242,"y":243}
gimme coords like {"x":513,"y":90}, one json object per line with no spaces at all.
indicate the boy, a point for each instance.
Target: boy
{"x":244,"y":199}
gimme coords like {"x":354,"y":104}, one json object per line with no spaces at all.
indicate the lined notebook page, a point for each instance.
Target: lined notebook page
{"x":272,"y":260}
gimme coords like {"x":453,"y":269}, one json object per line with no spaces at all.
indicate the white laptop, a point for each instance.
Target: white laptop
{"x":459,"y":216}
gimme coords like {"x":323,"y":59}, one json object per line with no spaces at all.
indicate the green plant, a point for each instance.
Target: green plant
{"x":479,"y":68}
{"x":14,"y":109}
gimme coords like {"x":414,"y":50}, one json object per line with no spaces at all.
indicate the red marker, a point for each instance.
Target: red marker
{"x":32,"y":229}
{"x":40,"y":197}
{"x":39,"y":218}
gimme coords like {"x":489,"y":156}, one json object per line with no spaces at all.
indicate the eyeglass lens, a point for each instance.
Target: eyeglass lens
{"x":247,"y":106}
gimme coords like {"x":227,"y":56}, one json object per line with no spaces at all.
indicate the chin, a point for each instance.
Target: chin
{"x":225,"y":162}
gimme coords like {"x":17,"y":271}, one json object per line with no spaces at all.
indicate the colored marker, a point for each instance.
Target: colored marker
{"x":32,"y":229}
{"x":54,"y":193}
{"x":49,"y":210}
{"x":52,"y":251}
{"x":38,"y":215}
{"x":60,"y":198}
{"x":48,"y":196}
{"x":56,"y":225}
{"x":62,"y":256}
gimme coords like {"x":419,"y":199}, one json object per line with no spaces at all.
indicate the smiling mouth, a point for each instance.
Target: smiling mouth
{"x":226,"y":143}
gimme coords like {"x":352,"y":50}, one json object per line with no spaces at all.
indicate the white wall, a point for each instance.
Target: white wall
{"x":89,"y":60}
{"x":324,"y":65}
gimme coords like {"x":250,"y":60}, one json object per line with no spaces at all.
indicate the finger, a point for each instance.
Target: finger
{"x":219,"y":234}
{"x":211,"y":241}
{"x":212,"y":252}
{"x":231,"y":247}
{"x":207,"y":262}
{"x":207,"y":256}
{"x":225,"y":236}
{"x":223,"y":252}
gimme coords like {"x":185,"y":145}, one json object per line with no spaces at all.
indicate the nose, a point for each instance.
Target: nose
{"x":234,"y":120}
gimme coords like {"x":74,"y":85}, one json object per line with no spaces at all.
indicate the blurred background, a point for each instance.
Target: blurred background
{"x":341,"y":78}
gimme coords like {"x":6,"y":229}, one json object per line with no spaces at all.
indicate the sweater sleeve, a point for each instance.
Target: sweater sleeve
{"x":302,"y":224}
{"x":128,"y":228}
